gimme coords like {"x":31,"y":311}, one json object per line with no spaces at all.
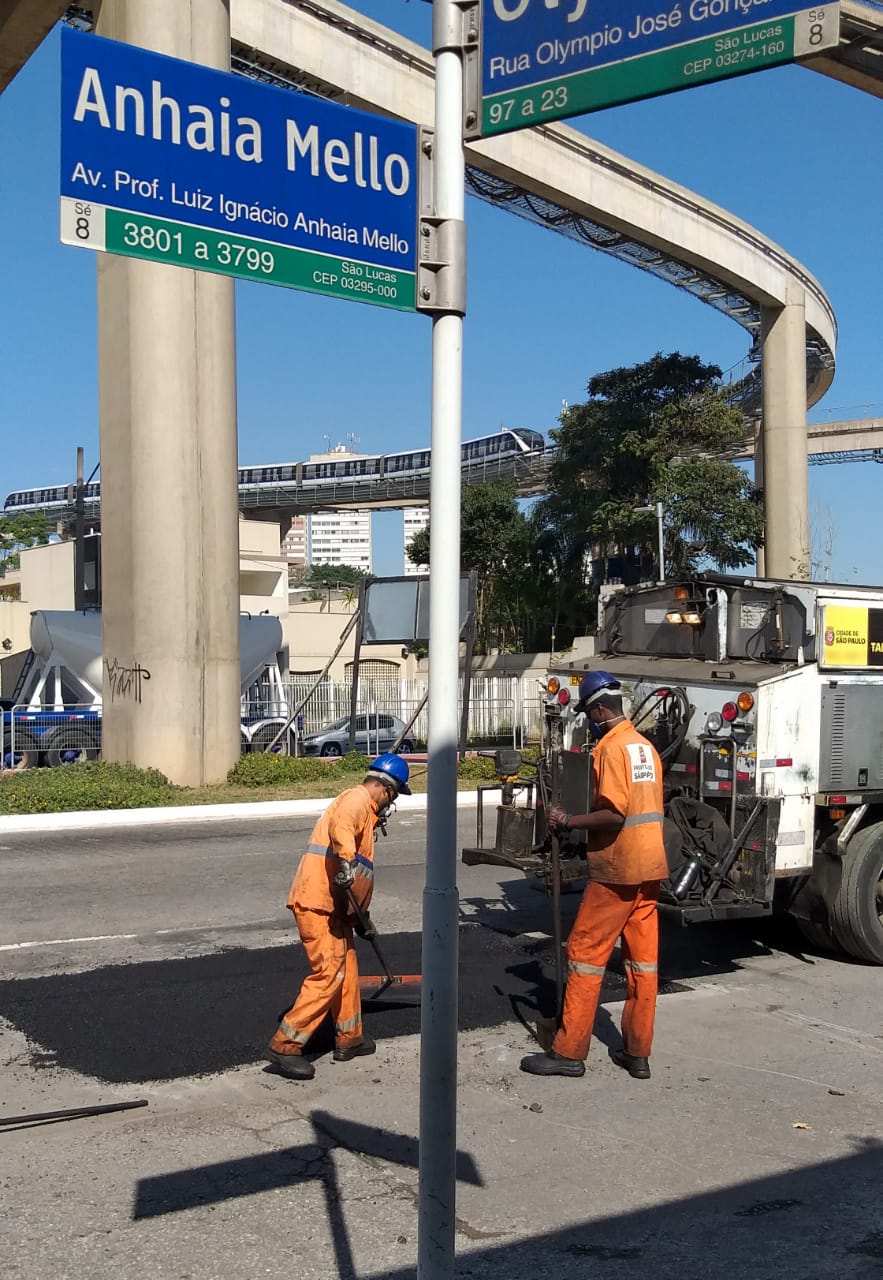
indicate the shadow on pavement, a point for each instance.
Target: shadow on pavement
{"x":251,"y":1175}
{"x":520,"y":906}
{"x":822,"y":1222}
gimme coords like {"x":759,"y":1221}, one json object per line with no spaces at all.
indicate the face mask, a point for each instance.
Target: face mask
{"x":597,"y":728}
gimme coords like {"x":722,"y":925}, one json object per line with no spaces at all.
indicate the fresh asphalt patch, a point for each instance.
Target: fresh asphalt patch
{"x":167,"y":1019}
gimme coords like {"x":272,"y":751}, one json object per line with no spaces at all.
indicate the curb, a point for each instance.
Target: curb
{"x":82,"y":820}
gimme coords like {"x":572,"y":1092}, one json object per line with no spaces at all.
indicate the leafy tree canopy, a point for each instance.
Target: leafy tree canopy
{"x":327,"y":577}
{"x":655,"y":432}
{"x":17,"y":533}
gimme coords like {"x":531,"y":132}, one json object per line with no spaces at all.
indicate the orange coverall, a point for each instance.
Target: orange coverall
{"x":621,"y":897}
{"x":345,"y":830}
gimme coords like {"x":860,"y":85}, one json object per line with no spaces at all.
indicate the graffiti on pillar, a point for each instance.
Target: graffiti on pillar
{"x":126,"y":683}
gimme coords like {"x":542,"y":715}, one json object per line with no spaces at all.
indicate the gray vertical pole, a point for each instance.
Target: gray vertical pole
{"x":438,"y":1027}
{"x":758,"y":484}
{"x":660,"y":529}
{"x":357,"y":656}
{"x":79,"y":535}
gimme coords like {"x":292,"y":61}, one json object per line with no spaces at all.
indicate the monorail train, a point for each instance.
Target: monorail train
{"x":347,"y":467}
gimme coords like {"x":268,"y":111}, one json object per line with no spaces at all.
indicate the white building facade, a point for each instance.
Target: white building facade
{"x":415,"y":521}
{"x":341,"y":537}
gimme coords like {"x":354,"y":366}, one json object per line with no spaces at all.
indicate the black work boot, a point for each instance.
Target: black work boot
{"x":365,"y":1047}
{"x":637,"y":1067}
{"x":552,"y":1064}
{"x":293,"y":1065}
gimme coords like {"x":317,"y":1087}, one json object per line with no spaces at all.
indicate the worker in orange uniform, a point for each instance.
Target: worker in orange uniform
{"x":626,"y":862}
{"x":339,"y":861}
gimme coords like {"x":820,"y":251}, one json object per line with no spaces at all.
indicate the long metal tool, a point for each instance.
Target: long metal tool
{"x":390,"y":979}
{"x":71,"y":1113}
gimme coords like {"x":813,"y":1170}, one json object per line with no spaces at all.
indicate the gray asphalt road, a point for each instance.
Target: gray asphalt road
{"x":150,"y":964}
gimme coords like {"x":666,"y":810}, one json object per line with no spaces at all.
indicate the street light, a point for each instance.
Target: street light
{"x":648,"y":510}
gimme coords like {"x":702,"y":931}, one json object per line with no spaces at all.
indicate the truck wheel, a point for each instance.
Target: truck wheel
{"x":817,"y":935}
{"x":857,"y":913}
{"x":70,"y":746}
{"x":27,"y":752}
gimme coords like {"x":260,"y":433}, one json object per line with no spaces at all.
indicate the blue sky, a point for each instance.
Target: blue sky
{"x":790,"y":151}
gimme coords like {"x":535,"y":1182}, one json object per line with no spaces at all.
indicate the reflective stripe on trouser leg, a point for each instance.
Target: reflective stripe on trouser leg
{"x":332,"y":986}
{"x":348,"y":1011}
{"x":640,"y":953}
{"x":598,"y":924}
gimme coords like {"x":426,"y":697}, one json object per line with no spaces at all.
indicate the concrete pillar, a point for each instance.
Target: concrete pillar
{"x":167,"y":402}
{"x":785,"y":465}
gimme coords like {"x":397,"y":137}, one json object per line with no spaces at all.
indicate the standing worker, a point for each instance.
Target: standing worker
{"x":339,"y":862}
{"x":626,"y":862}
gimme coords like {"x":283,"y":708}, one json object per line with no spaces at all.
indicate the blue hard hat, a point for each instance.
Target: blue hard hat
{"x":594,"y":683}
{"x":392,"y":768}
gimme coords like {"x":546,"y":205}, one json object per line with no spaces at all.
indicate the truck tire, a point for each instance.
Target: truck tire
{"x":817,"y":935}
{"x":27,"y":752}
{"x":69,"y":746}
{"x":857,"y":911}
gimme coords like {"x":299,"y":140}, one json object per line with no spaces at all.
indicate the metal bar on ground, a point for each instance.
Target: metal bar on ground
{"x":72,"y":1113}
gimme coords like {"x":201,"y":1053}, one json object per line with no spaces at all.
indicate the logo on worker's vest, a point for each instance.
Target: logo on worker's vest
{"x":643,"y":765}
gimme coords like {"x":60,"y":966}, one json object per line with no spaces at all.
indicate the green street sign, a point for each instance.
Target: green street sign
{"x":137,"y":235}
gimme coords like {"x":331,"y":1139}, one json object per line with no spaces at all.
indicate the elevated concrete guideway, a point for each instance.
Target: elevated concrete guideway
{"x":858,"y":60}
{"x":24,"y":24}
{"x":558,"y":177}
{"x":552,"y":174}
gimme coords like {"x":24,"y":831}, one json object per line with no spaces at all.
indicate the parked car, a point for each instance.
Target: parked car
{"x":374,"y":735}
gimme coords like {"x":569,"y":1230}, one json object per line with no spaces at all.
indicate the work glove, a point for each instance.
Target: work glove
{"x":364,"y":928}
{"x":345,"y":876}
{"x":557,"y":818}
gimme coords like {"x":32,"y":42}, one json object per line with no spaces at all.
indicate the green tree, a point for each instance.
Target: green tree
{"x":333,"y":577}
{"x":654,"y":432}
{"x":488,"y":516}
{"x":522,"y":563}
{"x":17,"y":533}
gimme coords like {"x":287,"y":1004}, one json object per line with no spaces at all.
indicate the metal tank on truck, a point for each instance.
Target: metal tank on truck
{"x":54,"y":714}
{"x":764,"y":700}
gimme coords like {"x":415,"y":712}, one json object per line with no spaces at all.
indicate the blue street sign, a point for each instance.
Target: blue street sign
{"x":548,"y":59}
{"x":176,"y":162}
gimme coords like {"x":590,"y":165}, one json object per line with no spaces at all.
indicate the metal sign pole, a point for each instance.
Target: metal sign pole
{"x":438,"y":1028}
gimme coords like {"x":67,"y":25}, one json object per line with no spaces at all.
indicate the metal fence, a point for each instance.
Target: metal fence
{"x":50,"y":737}
{"x":501,"y":708}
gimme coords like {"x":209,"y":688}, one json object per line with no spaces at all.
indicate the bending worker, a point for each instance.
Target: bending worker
{"x":339,"y":861}
{"x":626,"y":861}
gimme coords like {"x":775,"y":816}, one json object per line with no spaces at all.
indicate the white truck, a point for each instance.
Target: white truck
{"x":54,"y":712}
{"x":765,"y":701}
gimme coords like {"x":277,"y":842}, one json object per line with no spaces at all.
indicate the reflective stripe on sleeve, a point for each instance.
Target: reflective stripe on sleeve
{"x":640,"y":819}
{"x":325,"y":850}
{"x":640,"y":966}
{"x":586,"y":970}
